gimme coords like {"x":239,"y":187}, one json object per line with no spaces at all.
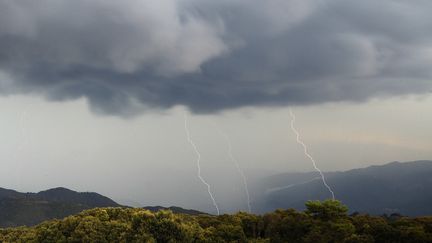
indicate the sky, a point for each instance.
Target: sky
{"x":93,"y":93}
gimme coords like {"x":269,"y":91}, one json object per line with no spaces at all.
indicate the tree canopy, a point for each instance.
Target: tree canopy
{"x":325,"y":221}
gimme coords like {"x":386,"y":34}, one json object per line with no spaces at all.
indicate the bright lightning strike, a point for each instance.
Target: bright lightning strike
{"x":299,"y":141}
{"x":199,"y":164}
{"x":275,"y":189}
{"x":240,"y":171}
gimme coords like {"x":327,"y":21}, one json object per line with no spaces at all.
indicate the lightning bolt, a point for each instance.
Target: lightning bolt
{"x":274,"y":189}
{"x":240,"y":171}
{"x":299,"y":141}
{"x":188,"y":136}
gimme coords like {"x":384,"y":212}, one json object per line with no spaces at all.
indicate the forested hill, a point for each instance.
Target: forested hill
{"x":18,"y":208}
{"x":326,"y":221}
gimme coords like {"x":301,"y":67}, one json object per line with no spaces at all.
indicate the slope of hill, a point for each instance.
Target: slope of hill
{"x":32,"y":208}
{"x":396,"y":187}
{"x":175,"y":210}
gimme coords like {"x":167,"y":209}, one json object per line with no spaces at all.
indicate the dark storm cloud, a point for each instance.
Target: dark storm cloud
{"x":125,"y":56}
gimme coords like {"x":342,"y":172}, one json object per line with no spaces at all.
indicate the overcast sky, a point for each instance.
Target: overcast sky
{"x":93,"y":93}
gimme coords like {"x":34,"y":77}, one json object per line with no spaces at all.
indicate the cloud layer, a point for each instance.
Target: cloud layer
{"x":125,"y":56}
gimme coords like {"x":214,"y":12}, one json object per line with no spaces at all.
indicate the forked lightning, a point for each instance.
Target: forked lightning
{"x":305,"y":150}
{"x":198,"y":162}
{"x":240,"y":171}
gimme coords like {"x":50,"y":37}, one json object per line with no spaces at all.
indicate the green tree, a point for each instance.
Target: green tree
{"x":326,"y":210}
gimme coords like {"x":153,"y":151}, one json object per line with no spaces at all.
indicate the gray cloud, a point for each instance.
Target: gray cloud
{"x":126,"y":56}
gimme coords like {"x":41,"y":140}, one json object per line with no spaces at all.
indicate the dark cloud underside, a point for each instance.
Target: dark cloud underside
{"x":125,"y":56}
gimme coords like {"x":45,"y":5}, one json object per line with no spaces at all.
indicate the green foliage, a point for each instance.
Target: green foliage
{"x":325,"y":221}
{"x":326,"y":210}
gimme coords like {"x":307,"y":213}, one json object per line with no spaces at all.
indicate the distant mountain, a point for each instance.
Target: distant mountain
{"x":175,"y":210}
{"x":18,"y":208}
{"x":90,"y":199}
{"x":404,"y":188}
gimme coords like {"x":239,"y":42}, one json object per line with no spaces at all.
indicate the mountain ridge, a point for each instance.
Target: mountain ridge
{"x":29,"y":208}
{"x":395,"y":187}
{"x":17,"y":208}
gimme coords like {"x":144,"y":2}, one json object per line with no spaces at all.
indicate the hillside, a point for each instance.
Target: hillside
{"x":18,"y":208}
{"x":404,"y":188}
{"x":326,"y":221}
{"x":174,"y":210}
